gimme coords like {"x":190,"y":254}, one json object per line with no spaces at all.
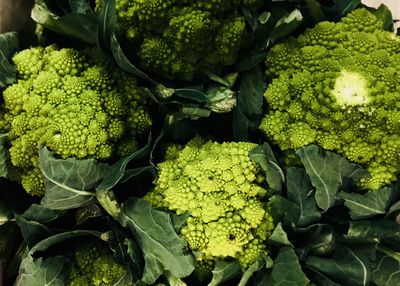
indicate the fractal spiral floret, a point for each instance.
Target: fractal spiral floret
{"x":338,"y":86}
{"x":219,"y":186}
{"x":175,"y":38}
{"x":73,"y":103}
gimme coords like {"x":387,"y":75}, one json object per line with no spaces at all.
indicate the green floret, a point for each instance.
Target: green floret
{"x":75,"y":105}
{"x":176,"y":39}
{"x":219,"y":186}
{"x":94,"y":266}
{"x":337,"y":85}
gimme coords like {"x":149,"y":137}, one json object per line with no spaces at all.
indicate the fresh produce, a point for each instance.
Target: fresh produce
{"x":73,"y":103}
{"x":337,"y":85}
{"x":177,"y":39}
{"x":219,"y":186}
{"x":211,"y":142}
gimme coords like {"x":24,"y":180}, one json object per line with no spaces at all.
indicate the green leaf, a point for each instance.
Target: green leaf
{"x":316,"y":11}
{"x":163,"y":249}
{"x":317,"y":239}
{"x":341,"y":8}
{"x":387,"y":271}
{"x":327,"y":172}
{"x":32,"y":231}
{"x":347,"y":266}
{"x":375,"y":230}
{"x":224,"y":271}
{"x":41,"y":214}
{"x":53,"y":271}
{"x":279,"y":237}
{"x":192,"y":94}
{"x":284,"y":211}
{"x":260,"y":263}
{"x":83,"y":27}
{"x":286,"y":270}
{"x":69,"y":182}
{"x":369,"y":204}
{"x":384,"y":14}
{"x":3,"y":153}
{"x":116,"y":172}
{"x":286,"y":25}
{"x":318,"y":278}
{"x":248,"y":110}
{"x":264,"y":156}
{"x":9,"y":44}
{"x":300,"y":192}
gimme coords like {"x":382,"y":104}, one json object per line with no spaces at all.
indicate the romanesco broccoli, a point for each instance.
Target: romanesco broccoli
{"x":338,"y":85}
{"x":175,"y":38}
{"x":220,"y":187}
{"x":94,"y":266}
{"x":73,"y":103}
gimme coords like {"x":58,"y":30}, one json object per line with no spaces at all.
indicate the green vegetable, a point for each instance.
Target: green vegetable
{"x":176,"y":38}
{"x":219,"y":186}
{"x":337,"y":86}
{"x":74,"y":103}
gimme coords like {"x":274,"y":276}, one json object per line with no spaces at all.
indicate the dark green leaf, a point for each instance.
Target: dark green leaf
{"x":369,"y":204}
{"x":195,"y":112}
{"x":192,"y":94}
{"x":315,"y":10}
{"x":162,"y":248}
{"x":83,"y":27}
{"x":116,"y":172}
{"x":80,"y":6}
{"x":9,"y":239}
{"x":384,"y":14}
{"x":327,"y":172}
{"x":250,"y":60}
{"x":108,"y":23}
{"x":341,"y":8}
{"x":9,"y":44}
{"x":375,"y":230}
{"x":347,"y":266}
{"x":32,"y":231}
{"x":69,"y":182}
{"x":279,"y":237}
{"x":286,"y":270}
{"x":248,"y":110}
{"x":318,"y":278}
{"x":52,"y":271}
{"x":284,"y":211}
{"x":41,"y":214}
{"x":224,"y":271}
{"x":264,"y":156}
{"x":300,"y":192}
{"x":286,"y":25}
{"x":86,"y":213}
{"x":316,"y":239}
{"x":179,"y":220}
{"x":394,"y":209}
{"x":138,"y":172}
{"x":256,"y":266}
{"x":387,"y":271}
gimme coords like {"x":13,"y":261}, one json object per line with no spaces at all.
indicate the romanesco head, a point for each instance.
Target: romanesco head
{"x":75,"y":104}
{"x":94,"y":265}
{"x":218,"y":185}
{"x":338,"y":85}
{"x":175,"y":38}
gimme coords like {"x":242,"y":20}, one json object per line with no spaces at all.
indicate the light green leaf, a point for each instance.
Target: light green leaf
{"x":300,"y":192}
{"x":279,"y":237}
{"x":264,"y":156}
{"x":163,"y":249}
{"x":224,"y":271}
{"x":286,"y":270}
{"x":327,"y":172}
{"x":369,"y":204}
{"x":9,"y":44}
{"x":69,"y":182}
{"x":3,"y":153}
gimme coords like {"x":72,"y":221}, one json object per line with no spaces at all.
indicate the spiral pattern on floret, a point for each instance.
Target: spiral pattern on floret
{"x":336,"y":85}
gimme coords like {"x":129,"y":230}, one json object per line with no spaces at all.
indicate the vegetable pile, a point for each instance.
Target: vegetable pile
{"x":211,"y":142}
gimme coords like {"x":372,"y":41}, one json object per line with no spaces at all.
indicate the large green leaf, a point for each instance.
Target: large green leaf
{"x":32,"y":231}
{"x":327,"y":172}
{"x":224,"y":271}
{"x":264,"y":156}
{"x":384,"y":14}
{"x":286,"y":270}
{"x":279,"y":237}
{"x":286,"y":25}
{"x":8,"y":74}
{"x":317,"y":239}
{"x":163,"y":249}
{"x":81,"y":24}
{"x":347,"y":266}
{"x":369,"y":204}
{"x":301,"y":193}
{"x":248,"y":110}
{"x":375,"y":230}
{"x":69,"y":182}
{"x":387,"y":271}
{"x":284,"y":211}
